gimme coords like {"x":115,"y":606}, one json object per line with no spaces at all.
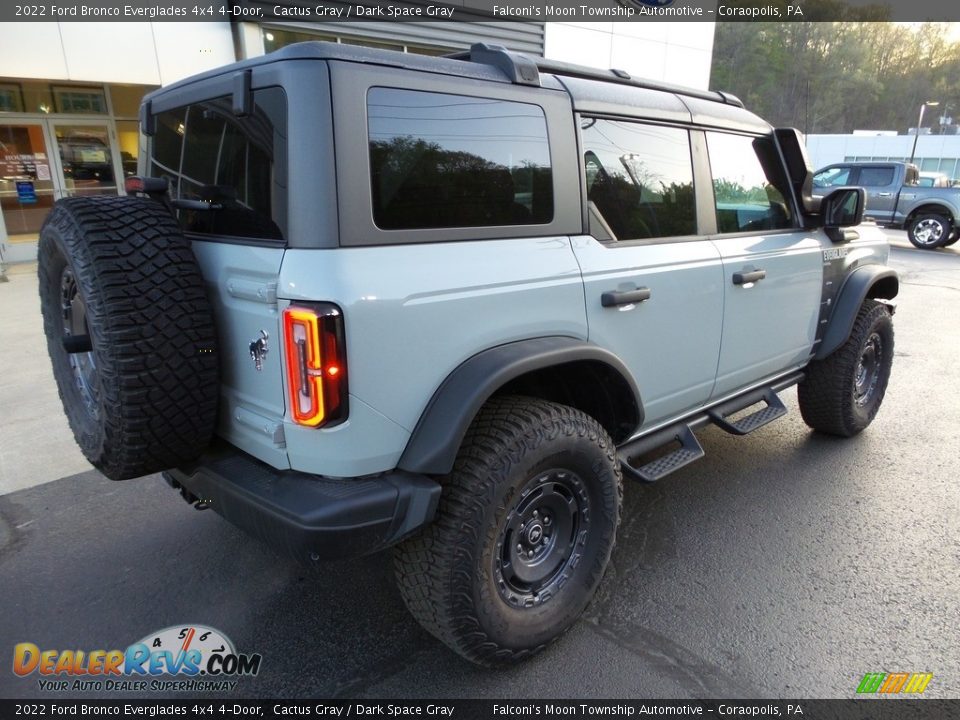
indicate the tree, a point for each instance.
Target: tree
{"x":837,"y":76}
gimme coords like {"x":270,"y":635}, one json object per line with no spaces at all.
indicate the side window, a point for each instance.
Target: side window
{"x":832,"y":177}
{"x":235,"y":164}
{"x":447,"y":161}
{"x":749,"y":183}
{"x":878,"y":177}
{"x":639,"y":180}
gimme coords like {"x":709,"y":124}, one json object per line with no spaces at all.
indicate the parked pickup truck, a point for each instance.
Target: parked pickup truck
{"x":896,"y":198}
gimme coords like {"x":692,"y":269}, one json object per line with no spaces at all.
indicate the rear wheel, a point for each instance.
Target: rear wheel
{"x":130,"y":334}
{"x":929,"y":230}
{"x":525,"y":528}
{"x":842,"y":393}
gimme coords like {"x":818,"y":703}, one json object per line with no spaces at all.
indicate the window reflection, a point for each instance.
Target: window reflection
{"x":639,"y":179}
{"x":450,"y":161}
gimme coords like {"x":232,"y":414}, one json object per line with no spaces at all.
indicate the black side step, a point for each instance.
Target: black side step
{"x":683,"y":432}
{"x":774,"y":409}
{"x":690,"y":449}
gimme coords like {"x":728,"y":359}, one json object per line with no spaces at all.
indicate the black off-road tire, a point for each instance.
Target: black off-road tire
{"x":452,"y":575}
{"x":831,"y":400}
{"x":939,"y":226}
{"x":147,"y":397}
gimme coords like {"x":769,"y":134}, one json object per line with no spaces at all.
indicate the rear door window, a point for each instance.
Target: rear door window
{"x":639,"y":180}
{"x":233,"y":165}
{"x":876,"y":176}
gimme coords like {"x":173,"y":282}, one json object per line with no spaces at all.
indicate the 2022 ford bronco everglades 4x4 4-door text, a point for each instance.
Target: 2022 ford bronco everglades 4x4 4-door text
{"x":358,"y":299}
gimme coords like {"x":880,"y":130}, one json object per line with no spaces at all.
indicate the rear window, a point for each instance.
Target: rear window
{"x":235,"y":164}
{"x":450,"y":161}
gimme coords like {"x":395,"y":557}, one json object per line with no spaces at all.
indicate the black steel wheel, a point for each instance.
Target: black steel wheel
{"x":526,"y":524}
{"x":842,"y":393}
{"x":541,"y":537}
{"x":83,"y":365}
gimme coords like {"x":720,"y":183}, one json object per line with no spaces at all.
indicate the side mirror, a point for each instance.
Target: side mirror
{"x":841,"y":210}
{"x":794,"y":150}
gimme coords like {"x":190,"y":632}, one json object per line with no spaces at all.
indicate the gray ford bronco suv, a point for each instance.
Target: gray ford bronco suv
{"x":358,"y":299}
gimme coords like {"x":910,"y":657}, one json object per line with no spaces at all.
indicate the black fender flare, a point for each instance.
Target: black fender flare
{"x":869,"y":281}
{"x":436,"y":439}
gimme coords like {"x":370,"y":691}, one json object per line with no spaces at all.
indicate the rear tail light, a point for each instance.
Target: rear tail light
{"x":316,"y":364}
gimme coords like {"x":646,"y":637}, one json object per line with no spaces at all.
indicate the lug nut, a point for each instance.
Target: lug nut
{"x":536,"y":513}
{"x":530,"y":553}
{"x":546,"y":519}
{"x":519,"y":547}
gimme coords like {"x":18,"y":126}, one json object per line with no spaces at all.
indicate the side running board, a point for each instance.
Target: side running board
{"x":690,"y":449}
{"x":682,"y":432}
{"x":775,"y":409}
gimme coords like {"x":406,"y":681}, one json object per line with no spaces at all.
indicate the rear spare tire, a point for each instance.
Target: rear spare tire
{"x":130,"y":333}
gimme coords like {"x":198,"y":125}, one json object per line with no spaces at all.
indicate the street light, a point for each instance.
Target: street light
{"x":928,"y":103}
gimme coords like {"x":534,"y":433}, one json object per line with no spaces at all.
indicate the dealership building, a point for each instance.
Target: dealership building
{"x":70,"y":91}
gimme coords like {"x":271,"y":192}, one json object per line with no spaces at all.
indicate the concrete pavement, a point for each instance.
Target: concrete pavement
{"x":36,"y":445}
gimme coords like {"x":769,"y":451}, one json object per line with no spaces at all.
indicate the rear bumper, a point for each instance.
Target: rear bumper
{"x":309,"y":516}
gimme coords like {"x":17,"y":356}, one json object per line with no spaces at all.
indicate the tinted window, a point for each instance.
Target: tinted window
{"x":168,"y":144}
{"x":639,"y":180}
{"x":832,"y":177}
{"x":876,"y":176}
{"x":236,"y":164}
{"x":748,"y":183}
{"x":440,"y":161}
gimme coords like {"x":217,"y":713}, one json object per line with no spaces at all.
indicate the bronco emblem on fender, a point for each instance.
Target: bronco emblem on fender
{"x":259,"y":349}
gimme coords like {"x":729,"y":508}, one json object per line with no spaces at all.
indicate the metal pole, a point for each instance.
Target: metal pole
{"x":916,"y":135}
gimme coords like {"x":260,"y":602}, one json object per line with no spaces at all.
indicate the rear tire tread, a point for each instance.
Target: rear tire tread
{"x":427,"y":565}
{"x":152,"y":329}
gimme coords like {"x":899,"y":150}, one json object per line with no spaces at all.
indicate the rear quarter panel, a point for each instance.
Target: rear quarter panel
{"x":412,"y":314}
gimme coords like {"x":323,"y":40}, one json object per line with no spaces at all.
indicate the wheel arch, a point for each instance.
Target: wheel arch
{"x":930,"y":207}
{"x":558,"y":369}
{"x":867,"y":282}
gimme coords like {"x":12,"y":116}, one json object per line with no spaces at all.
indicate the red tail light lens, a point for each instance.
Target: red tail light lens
{"x":316,"y":364}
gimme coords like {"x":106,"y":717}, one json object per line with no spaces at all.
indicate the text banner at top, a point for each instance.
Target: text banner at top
{"x":485,"y":10}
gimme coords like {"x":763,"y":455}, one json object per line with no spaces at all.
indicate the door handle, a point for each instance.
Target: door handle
{"x":748,"y":276}
{"x":612,"y":298}
{"x":884,"y":194}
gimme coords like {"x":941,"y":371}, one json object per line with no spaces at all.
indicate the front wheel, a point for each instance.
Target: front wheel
{"x":526,"y":524}
{"x":929,"y":230}
{"x":842,"y":393}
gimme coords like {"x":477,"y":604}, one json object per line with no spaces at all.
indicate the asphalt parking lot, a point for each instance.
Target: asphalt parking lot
{"x":785,"y":564}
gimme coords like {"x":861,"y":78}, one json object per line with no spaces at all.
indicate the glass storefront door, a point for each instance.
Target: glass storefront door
{"x":27,"y":178}
{"x":86,"y":159}
{"x":44,"y":160}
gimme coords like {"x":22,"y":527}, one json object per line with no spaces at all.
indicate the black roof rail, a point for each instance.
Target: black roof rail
{"x":519,"y":68}
{"x":525,"y":70}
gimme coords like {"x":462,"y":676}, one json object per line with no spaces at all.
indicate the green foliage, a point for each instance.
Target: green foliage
{"x":730,"y":191}
{"x":834,"y":77}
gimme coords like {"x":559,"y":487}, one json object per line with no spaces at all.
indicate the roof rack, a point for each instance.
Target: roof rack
{"x":524,"y":70}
